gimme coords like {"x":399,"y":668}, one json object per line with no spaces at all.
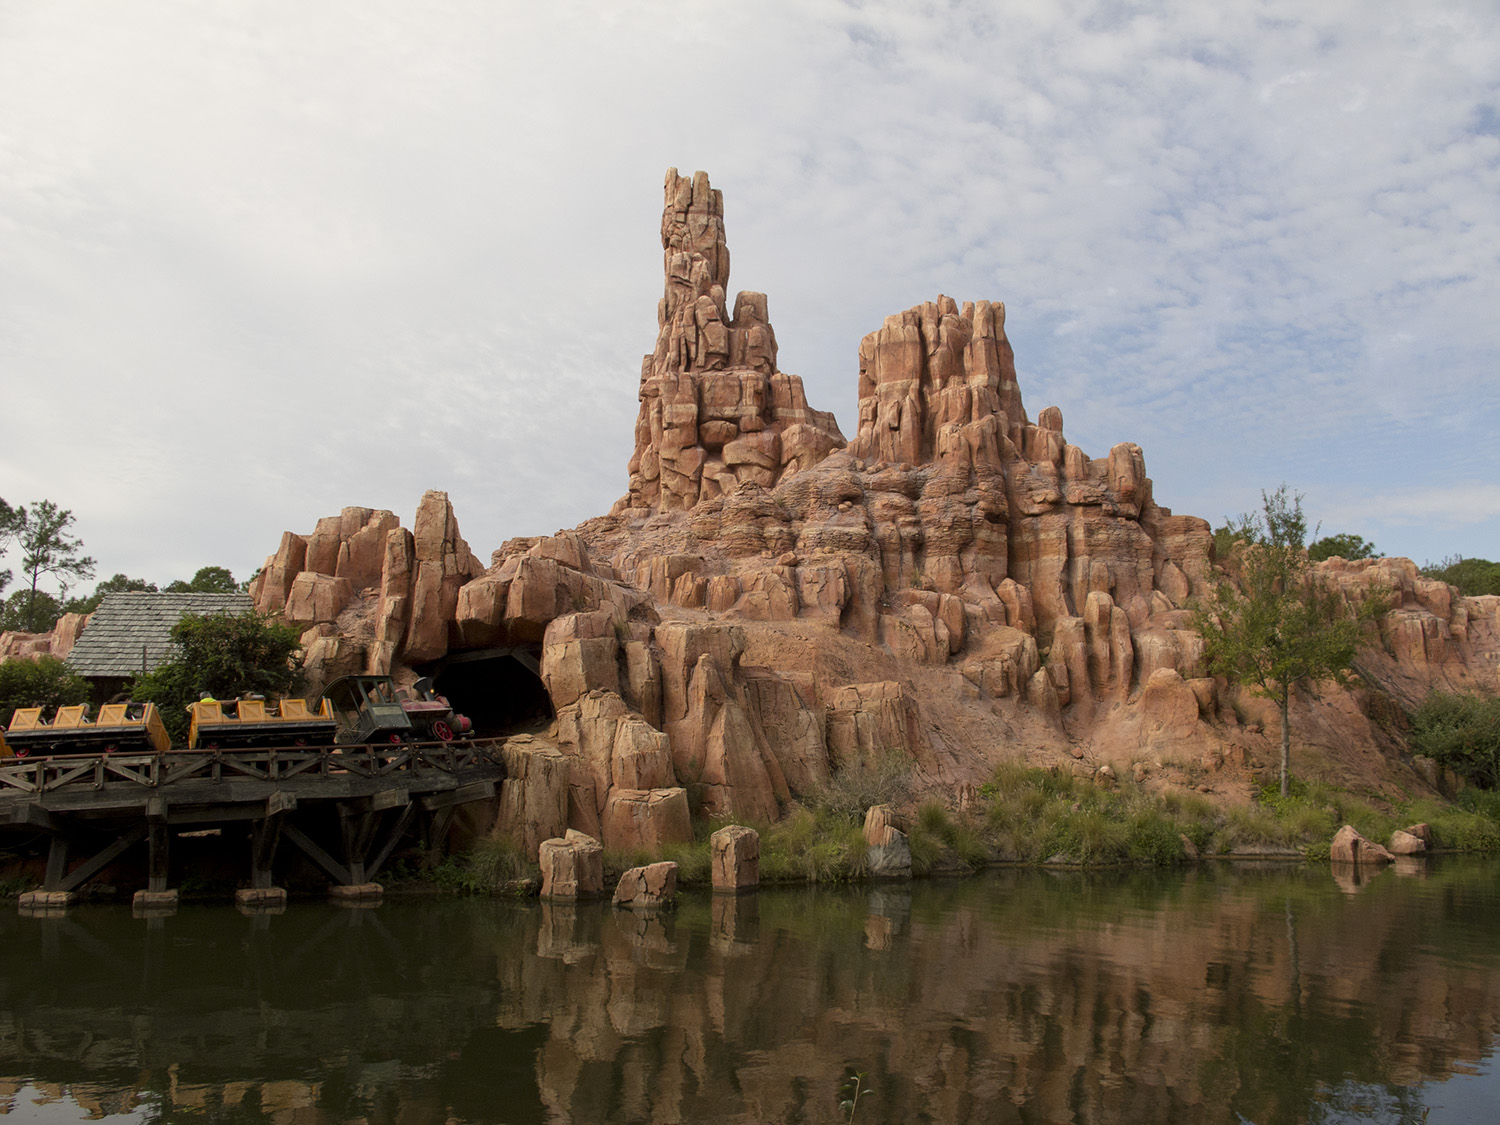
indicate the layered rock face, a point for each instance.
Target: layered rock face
{"x":369,"y":593}
{"x":715,"y":412}
{"x":766,"y":606}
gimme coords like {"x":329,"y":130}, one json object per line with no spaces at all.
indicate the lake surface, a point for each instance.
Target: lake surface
{"x":1224,"y":994}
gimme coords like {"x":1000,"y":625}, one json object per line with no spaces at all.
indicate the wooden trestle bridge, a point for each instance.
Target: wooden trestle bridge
{"x":344,"y":807}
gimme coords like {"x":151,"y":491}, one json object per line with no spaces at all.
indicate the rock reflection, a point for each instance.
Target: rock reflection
{"x":1223,"y":996}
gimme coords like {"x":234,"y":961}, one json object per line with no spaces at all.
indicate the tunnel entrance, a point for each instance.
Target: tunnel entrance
{"x":500,"y":690}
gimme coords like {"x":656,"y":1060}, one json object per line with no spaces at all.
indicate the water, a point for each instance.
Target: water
{"x":1227,"y":994}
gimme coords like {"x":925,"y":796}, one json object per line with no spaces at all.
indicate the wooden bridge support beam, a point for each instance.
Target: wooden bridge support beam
{"x":265,"y":835}
{"x":57,"y":862}
{"x":158,"y":845}
{"x":156,"y":899}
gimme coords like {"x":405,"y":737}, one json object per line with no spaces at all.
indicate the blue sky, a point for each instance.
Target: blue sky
{"x":258,"y":262}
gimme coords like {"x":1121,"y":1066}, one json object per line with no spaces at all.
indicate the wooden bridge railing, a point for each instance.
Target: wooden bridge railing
{"x":34,"y":777}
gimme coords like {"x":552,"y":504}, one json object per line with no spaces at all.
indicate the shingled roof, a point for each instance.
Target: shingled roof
{"x":126,"y":623}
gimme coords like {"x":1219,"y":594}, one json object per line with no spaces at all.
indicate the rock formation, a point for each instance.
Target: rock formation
{"x":715,"y":411}
{"x":958,"y":585}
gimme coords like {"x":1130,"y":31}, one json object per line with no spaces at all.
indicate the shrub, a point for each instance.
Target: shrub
{"x":1153,"y":837}
{"x":45,"y":682}
{"x":1473,"y":577}
{"x":856,"y":787}
{"x":695,"y":861}
{"x":1461,"y":732}
{"x":225,"y":655}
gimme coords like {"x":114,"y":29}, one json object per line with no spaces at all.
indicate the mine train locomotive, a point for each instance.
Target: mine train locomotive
{"x":353,"y":710}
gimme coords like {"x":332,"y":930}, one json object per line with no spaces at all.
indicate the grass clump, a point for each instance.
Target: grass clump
{"x":812,"y":846}
{"x":1042,"y":815}
{"x":489,"y":867}
{"x":1471,"y":823}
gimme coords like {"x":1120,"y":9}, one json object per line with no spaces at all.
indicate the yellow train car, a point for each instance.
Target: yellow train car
{"x":122,"y":727}
{"x":216,"y":724}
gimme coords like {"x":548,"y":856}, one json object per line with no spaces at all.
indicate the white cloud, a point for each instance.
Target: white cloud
{"x":261,"y":261}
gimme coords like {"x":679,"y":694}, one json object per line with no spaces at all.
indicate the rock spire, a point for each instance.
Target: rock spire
{"x":715,"y":411}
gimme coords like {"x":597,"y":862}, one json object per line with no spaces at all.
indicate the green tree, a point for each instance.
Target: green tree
{"x":10,"y":519}
{"x":208,"y":580}
{"x":1461,"y":732}
{"x":1473,"y":577}
{"x":18,"y":610}
{"x":1344,"y":546}
{"x":1244,"y":528}
{"x":226,"y":655}
{"x":45,"y":682}
{"x":1276,"y":624}
{"x":115,"y":584}
{"x":48,"y":550}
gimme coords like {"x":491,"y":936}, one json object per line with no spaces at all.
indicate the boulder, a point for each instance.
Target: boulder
{"x":1349,"y":847}
{"x":646,"y":819}
{"x":736,"y":859}
{"x":887,"y":850}
{"x":317,"y":599}
{"x":1404,"y":843}
{"x":575,"y":667}
{"x":647,"y":888}
{"x":1421,"y":831}
{"x":443,"y":565}
{"x":534,"y":794}
{"x":572,"y":867}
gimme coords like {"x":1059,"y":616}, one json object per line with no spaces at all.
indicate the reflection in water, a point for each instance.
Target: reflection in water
{"x":1220,"y":995}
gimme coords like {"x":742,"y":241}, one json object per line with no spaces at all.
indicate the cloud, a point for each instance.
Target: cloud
{"x":261,"y":261}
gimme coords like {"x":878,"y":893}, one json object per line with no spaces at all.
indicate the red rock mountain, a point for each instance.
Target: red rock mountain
{"x":768,"y":602}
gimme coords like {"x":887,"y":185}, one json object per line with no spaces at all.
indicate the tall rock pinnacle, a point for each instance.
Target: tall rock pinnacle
{"x":715,"y":412}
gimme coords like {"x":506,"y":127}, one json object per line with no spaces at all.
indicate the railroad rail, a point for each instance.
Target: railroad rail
{"x":344,"y":807}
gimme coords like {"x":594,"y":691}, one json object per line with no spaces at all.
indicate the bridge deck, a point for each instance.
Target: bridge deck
{"x":142,"y":795}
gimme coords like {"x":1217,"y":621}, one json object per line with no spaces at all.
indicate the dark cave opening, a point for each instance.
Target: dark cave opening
{"x":499,"y":693}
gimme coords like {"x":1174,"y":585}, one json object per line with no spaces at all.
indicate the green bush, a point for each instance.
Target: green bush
{"x":1461,"y":732}
{"x":1153,"y":837}
{"x":1473,"y":577}
{"x":486,"y":868}
{"x":225,"y":655}
{"x":45,"y":682}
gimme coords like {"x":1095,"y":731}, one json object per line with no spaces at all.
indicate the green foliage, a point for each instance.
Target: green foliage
{"x":45,"y":682}
{"x":812,"y":847}
{"x":1039,"y":815}
{"x":1236,"y":530}
{"x":115,"y":584}
{"x":936,"y":834}
{"x":851,"y":1091}
{"x":1473,"y":577}
{"x":48,"y":550}
{"x":695,"y":862}
{"x":25,"y":607}
{"x":1279,"y":624}
{"x":224,"y":655}
{"x":1472,"y":824}
{"x":1461,"y":732}
{"x":10,"y":520}
{"x":1314,"y":811}
{"x":1343,"y":546}
{"x":208,"y":580}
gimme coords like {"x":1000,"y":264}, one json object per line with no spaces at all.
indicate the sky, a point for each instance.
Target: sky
{"x":259,"y":262}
